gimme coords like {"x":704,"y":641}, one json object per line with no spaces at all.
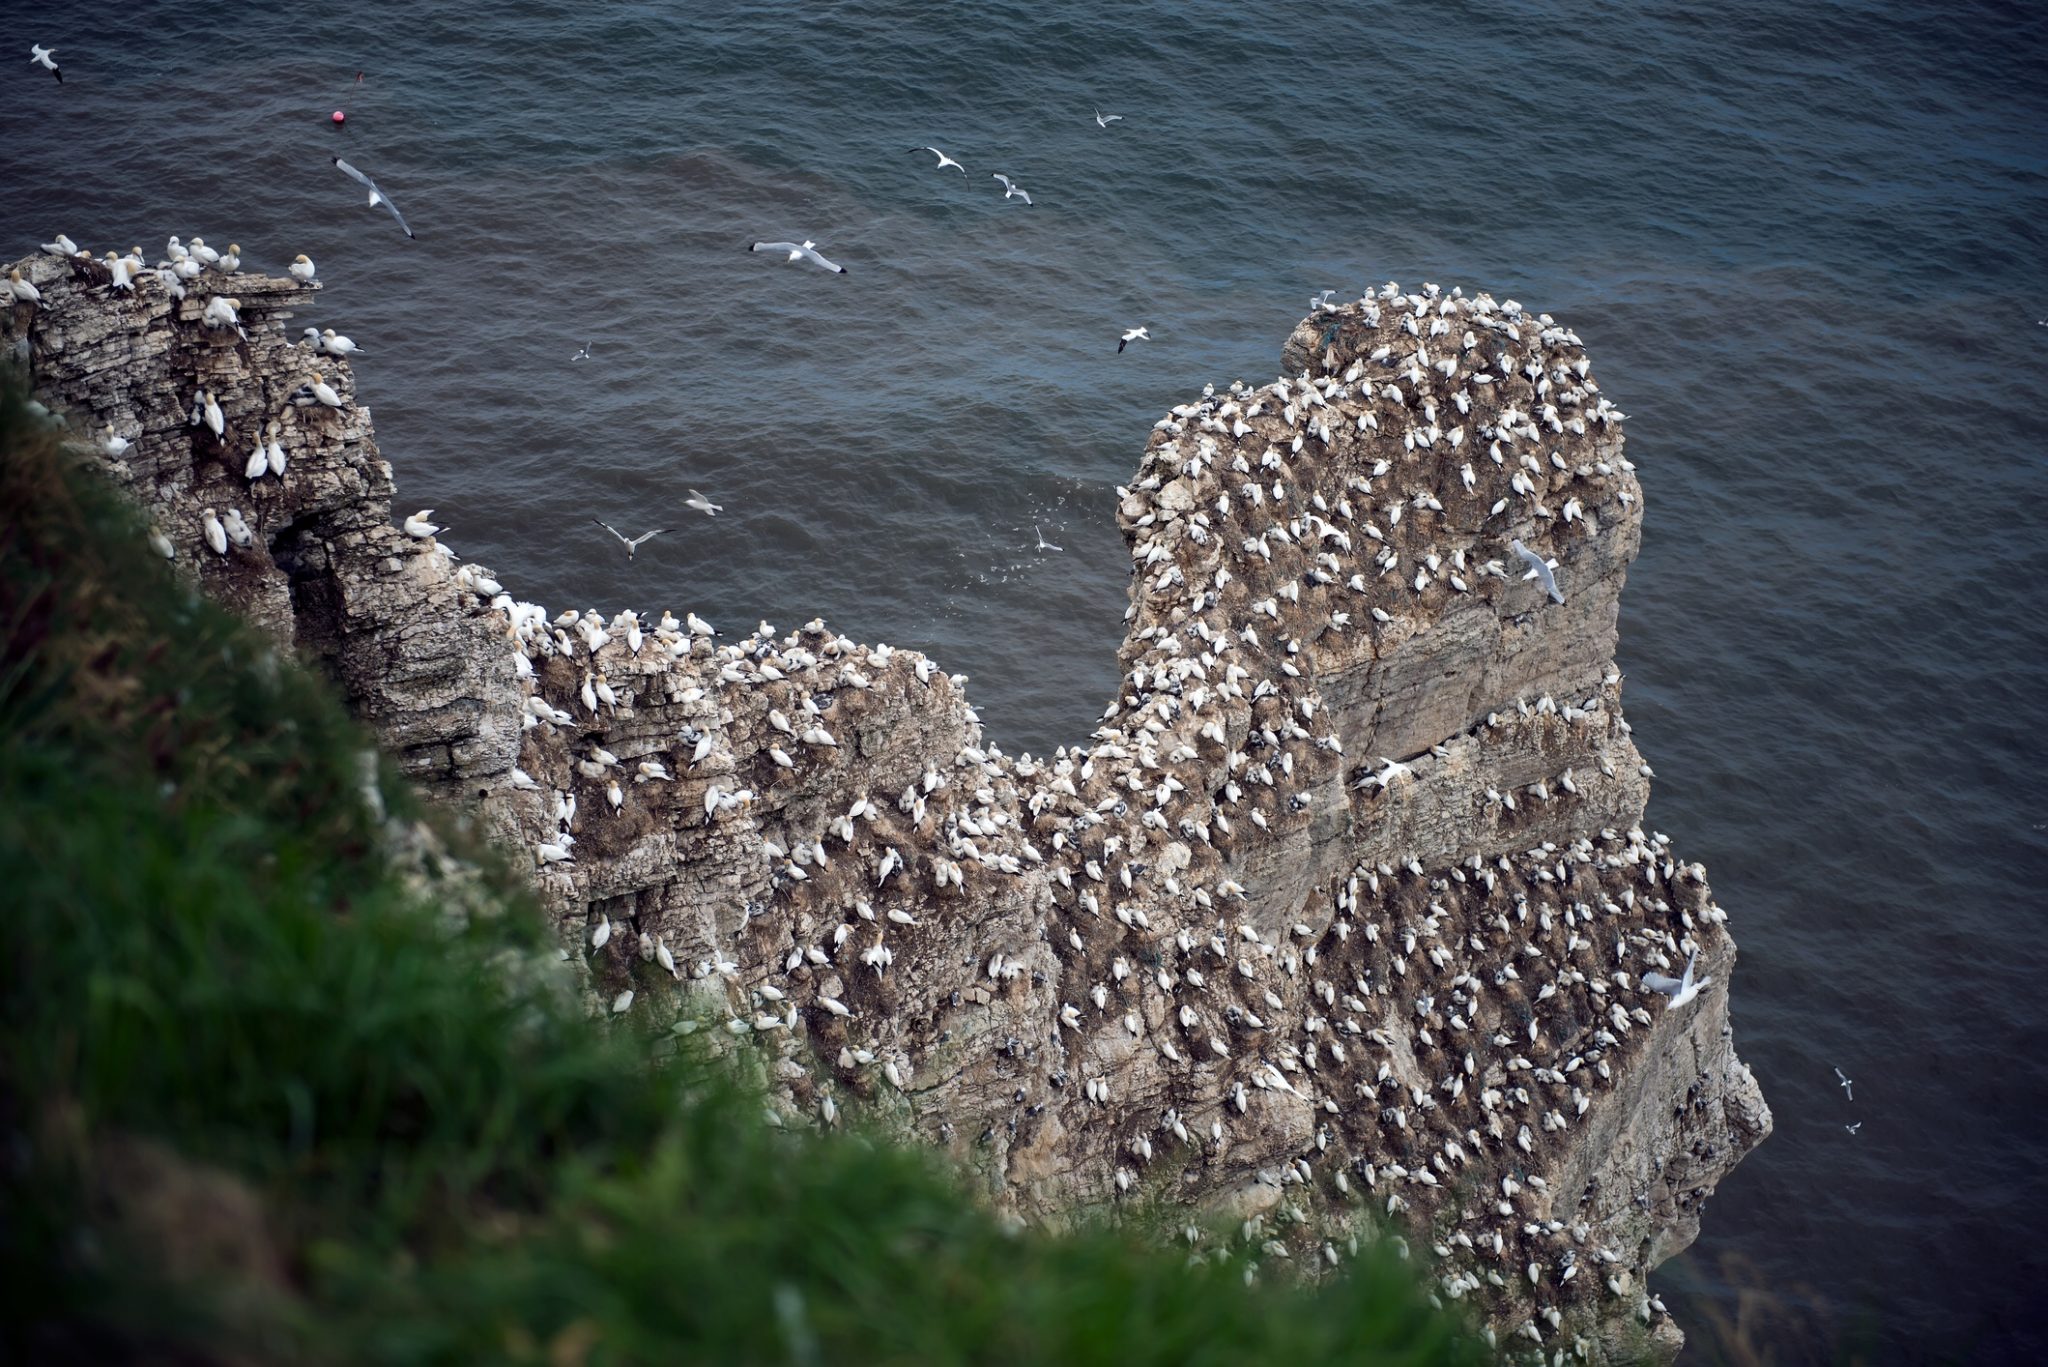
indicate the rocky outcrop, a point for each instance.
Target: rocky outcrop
{"x":1336,"y":923}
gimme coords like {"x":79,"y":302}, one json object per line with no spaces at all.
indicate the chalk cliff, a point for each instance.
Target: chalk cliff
{"x":1336,"y":923}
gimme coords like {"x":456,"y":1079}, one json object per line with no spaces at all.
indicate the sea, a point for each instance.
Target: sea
{"x":1803,"y":243}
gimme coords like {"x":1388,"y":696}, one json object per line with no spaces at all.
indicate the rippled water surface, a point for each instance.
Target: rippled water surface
{"x":1803,"y":244}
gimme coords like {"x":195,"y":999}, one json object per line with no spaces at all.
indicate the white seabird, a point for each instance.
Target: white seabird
{"x":1043,"y":544}
{"x":324,"y":391}
{"x":302,"y":269}
{"x":377,"y":196}
{"x":583,"y":355}
{"x":944,"y":160}
{"x":201,"y":253}
{"x":216,"y":535}
{"x":1680,"y":990}
{"x":215,"y":420}
{"x":22,"y":290}
{"x":259,"y":462}
{"x":1846,"y":1083}
{"x":702,"y":504}
{"x":1134,"y":335}
{"x":221,"y":312}
{"x":41,"y":56}
{"x":1011,"y":190}
{"x":334,"y":344}
{"x":1539,"y":568}
{"x":229,"y":261}
{"x":64,"y":246}
{"x":417,"y":526}
{"x":797,"y":252}
{"x":632,"y":543}
{"x":1103,"y":120}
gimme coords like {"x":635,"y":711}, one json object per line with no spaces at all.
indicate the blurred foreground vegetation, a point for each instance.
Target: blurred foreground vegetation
{"x":280,"y":1081}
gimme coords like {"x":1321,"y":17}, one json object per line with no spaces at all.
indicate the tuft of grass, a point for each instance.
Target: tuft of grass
{"x":276,"y":1085}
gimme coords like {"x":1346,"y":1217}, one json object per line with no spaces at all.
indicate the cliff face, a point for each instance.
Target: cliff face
{"x":1339,"y":915}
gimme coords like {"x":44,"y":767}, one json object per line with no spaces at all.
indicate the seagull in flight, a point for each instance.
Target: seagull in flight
{"x":1011,"y":189}
{"x":41,"y":56}
{"x":1680,"y":990}
{"x":583,"y":355}
{"x":1103,"y":120}
{"x":632,"y":543}
{"x":1134,"y":335}
{"x":944,"y":160}
{"x":1043,"y":544}
{"x":702,"y":504}
{"x":1853,"y":1128}
{"x":377,"y":196}
{"x":1846,"y":1085}
{"x":1539,"y":568}
{"x":797,"y":252}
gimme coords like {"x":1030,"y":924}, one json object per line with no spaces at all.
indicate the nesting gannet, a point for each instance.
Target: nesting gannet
{"x":797,"y":252}
{"x":40,"y":56}
{"x":1846,"y":1083}
{"x":259,"y":462}
{"x":221,"y":312}
{"x":324,"y":391}
{"x":229,"y":261}
{"x":124,"y":272}
{"x":944,"y":160}
{"x":334,"y":344}
{"x":211,"y":414}
{"x":64,"y":246}
{"x":1043,"y":544}
{"x":1680,"y":990}
{"x":1134,"y":335}
{"x":22,"y":290}
{"x":1011,"y":190}
{"x":201,"y":253}
{"x":114,"y":444}
{"x":702,"y":504}
{"x":631,"y":543}
{"x":238,"y":531}
{"x":1539,"y":568}
{"x":216,"y":535}
{"x":302,"y":269}
{"x":1103,"y":120}
{"x":274,"y":452}
{"x":418,"y":527}
{"x":377,"y":196}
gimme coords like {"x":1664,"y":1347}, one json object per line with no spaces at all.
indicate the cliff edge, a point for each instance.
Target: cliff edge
{"x":1337,"y":921}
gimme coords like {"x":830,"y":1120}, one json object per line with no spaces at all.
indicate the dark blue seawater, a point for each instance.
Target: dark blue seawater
{"x":1804,"y":244}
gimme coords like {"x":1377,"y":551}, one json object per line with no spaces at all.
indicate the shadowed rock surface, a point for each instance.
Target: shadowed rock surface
{"x":1337,"y":920}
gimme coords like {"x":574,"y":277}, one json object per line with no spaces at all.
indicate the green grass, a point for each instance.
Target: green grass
{"x":265,"y":1097}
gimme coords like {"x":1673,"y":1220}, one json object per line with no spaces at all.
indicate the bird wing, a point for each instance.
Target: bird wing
{"x":379,"y":194}
{"x":353,"y":174}
{"x":610,"y":528}
{"x":775,"y":247}
{"x":645,"y":536}
{"x":1657,"y":982}
{"x":1021,"y":195}
{"x":812,"y":253}
{"x":1003,"y":178}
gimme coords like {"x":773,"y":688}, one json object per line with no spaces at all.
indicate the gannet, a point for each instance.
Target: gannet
{"x":1680,"y":990}
{"x":229,"y":261}
{"x":41,"y":56}
{"x":1539,"y":568}
{"x":797,"y":252}
{"x":64,"y":246}
{"x":334,"y":344}
{"x":212,"y":414}
{"x":114,"y":444}
{"x":302,"y":269}
{"x":238,"y":531}
{"x":201,"y":253}
{"x":631,"y":543}
{"x":583,"y":355}
{"x":702,"y":504}
{"x":1103,"y":120}
{"x":1043,"y":544}
{"x":418,"y":527}
{"x":259,"y":462}
{"x":1134,"y":335}
{"x":220,"y":312}
{"x":22,"y":290}
{"x":1846,"y":1083}
{"x":376,"y":196}
{"x":124,"y":272}
{"x":174,"y":249}
{"x":161,"y":544}
{"x":274,"y":452}
{"x":944,"y":160}
{"x":216,"y":535}
{"x":1011,"y":190}
{"x":324,"y":391}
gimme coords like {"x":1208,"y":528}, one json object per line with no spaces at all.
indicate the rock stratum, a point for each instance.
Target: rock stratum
{"x":1333,"y":929}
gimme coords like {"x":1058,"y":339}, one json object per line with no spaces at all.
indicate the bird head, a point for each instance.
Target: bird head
{"x":302,"y":257}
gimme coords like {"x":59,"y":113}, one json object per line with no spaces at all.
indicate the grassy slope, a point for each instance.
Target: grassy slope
{"x":262,"y":1098}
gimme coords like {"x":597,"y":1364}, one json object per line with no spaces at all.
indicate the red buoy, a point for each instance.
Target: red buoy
{"x":340,"y":117}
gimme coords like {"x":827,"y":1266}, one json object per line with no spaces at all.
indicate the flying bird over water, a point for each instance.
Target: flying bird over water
{"x":1539,"y":568}
{"x":797,"y":252}
{"x":944,"y":160}
{"x":1134,"y":335}
{"x":1011,"y":189}
{"x":41,"y":56}
{"x":1846,"y":1083}
{"x":1103,"y":120}
{"x":377,"y":196}
{"x":1680,"y":990}
{"x":582,"y":355}
{"x":631,"y":543}
{"x":702,"y":504}
{"x":1043,"y":544}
